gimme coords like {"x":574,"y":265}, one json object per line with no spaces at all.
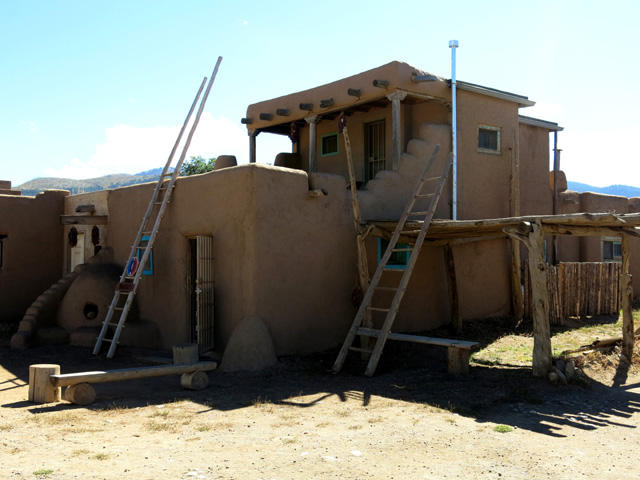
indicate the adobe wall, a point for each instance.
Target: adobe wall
{"x":32,"y":250}
{"x":536,"y":195}
{"x":100,"y":201}
{"x":484,"y":178}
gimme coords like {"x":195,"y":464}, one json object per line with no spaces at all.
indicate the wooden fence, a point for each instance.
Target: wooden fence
{"x":578,"y":289}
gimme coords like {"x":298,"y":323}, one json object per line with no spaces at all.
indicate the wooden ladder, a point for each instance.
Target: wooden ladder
{"x":140,"y":253}
{"x":391,"y":312}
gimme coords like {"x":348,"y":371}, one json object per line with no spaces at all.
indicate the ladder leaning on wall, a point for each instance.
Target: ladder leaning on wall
{"x":140,"y":253}
{"x":391,"y":311}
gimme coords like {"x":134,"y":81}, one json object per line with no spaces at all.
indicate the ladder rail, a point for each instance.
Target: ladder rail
{"x":406,"y":276}
{"x":147,"y":249}
{"x":366,"y":301}
{"x":167,"y":165}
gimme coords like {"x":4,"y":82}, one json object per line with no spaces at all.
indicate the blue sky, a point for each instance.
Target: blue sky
{"x":91,"y":88}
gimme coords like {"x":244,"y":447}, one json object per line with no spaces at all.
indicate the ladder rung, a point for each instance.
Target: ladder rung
{"x":424,"y":195}
{"x":402,"y":250}
{"x":399,"y":270}
{"x":431,"y":178}
{"x":118,"y":308}
{"x":416,"y":214}
{"x":107,"y":340}
{"x":391,"y":289}
{"x":357,"y":349}
{"x":377,"y":309}
{"x":157,"y":203}
{"x":404,"y":232}
{"x":114,"y":325}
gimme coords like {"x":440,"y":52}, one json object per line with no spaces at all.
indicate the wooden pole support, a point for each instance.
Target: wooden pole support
{"x":194,"y":381}
{"x":40,"y":388}
{"x":185,"y":353}
{"x":80,"y":394}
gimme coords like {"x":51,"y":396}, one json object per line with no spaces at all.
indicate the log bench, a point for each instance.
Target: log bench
{"x":45,"y":381}
{"x":458,"y":351}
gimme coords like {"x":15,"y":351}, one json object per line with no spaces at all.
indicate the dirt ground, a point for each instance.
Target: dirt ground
{"x":298,"y":421}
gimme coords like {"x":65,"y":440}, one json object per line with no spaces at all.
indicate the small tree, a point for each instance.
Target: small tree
{"x":197,"y":165}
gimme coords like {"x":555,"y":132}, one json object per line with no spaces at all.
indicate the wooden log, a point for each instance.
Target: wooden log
{"x":80,"y":394}
{"x":452,"y":283}
{"x":458,"y":360}
{"x":185,"y":353}
{"x":626,"y":299}
{"x":517,"y":299}
{"x":129,"y":373}
{"x":542,"y":358}
{"x":40,"y":388}
{"x":195,"y":380}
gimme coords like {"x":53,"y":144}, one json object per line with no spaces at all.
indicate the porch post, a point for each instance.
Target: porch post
{"x":252,"y":145}
{"x":396,"y":125}
{"x":626,"y":299}
{"x":312,"y":121}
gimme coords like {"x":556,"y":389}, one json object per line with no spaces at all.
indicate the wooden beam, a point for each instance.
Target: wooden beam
{"x":452,"y":283}
{"x":129,"y":373}
{"x":84,"y":219}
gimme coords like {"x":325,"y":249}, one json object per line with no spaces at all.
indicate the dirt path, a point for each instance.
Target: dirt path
{"x":297,"y":421}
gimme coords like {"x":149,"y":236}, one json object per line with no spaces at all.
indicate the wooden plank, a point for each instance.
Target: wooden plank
{"x":84,"y":219}
{"x":41,"y":389}
{"x":67,"y":379}
{"x":452,"y":283}
{"x":404,"y":337}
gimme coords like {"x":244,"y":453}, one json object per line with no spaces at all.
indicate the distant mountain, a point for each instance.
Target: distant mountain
{"x":620,"y":190}
{"x":108,"y":182}
{"x":153,"y":171}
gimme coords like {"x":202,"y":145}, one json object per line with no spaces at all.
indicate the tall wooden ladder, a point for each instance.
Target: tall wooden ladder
{"x":391,"y":311}
{"x":141,"y":250}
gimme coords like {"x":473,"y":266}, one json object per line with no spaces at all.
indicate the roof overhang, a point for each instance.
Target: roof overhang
{"x":536,"y":122}
{"x":521,"y":100}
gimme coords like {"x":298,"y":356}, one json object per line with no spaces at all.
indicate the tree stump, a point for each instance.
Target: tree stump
{"x":185,"y":353}
{"x":80,"y":394}
{"x":40,"y":388}
{"x":194,"y":381}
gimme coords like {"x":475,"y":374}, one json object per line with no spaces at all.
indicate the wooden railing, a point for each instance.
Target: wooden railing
{"x":578,"y":289}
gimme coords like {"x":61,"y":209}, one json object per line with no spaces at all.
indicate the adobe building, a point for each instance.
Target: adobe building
{"x":278,"y":241}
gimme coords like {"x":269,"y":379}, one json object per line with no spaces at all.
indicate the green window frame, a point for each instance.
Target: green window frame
{"x":148,"y":270}
{"x":329,"y":144}
{"x":489,"y":139}
{"x":397,"y":260}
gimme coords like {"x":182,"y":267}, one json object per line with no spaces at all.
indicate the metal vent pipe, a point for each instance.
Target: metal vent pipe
{"x":453,"y":44}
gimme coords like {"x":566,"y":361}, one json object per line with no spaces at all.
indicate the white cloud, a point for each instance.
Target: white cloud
{"x":31,"y":125}
{"x":130,"y":149}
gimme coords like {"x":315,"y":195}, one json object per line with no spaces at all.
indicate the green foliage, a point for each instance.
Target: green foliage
{"x":502,"y":429}
{"x":197,"y":165}
{"x":42,"y":472}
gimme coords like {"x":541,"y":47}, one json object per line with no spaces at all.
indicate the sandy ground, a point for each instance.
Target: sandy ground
{"x":297,"y":421}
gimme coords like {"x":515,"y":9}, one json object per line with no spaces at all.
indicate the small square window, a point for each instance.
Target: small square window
{"x":611,"y":250}
{"x":329,"y":145}
{"x":397,"y":260}
{"x":488,"y":139}
{"x":148,"y":270}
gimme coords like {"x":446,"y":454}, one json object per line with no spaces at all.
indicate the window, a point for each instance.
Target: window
{"x":374,"y":149}
{"x":398,"y":260}
{"x":148,"y":270}
{"x":611,"y":250}
{"x":2,"y":237}
{"x":488,"y":139}
{"x":329,"y":145}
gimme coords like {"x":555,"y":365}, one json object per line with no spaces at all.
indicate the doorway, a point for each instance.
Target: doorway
{"x":200,"y":288}
{"x":77,"y":253}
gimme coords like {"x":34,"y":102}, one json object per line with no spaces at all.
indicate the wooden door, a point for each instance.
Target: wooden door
{"x":204,"y":290}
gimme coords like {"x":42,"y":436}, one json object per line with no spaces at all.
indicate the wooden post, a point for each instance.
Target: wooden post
{"x":456,"y":318}
{"x":396,"y":126}
{"x":41,"y":390}
{"x":363,"y":266}
{"x":185,"y":353}
{"x":531,"y":235}
{"x":458,"y":360}
{"x":626,"y":299}
{"x":517,"y":300}
{"x":80,"y":394}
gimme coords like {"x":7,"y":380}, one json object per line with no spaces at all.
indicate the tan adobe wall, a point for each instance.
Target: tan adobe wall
{"x":536,"y":196}
{"x":483,"y":178}
{"x":32,"y":249}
